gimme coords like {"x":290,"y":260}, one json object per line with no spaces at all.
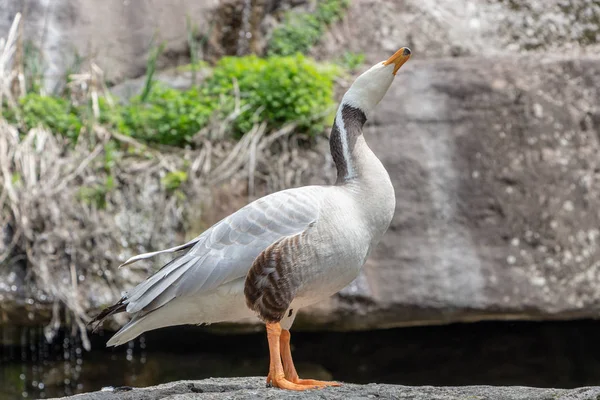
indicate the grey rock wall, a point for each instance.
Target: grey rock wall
{"x":117,"y":34}
{"x":438,"y":29}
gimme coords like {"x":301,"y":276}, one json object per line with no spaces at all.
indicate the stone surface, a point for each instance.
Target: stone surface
{"x":116,"y":34}
{"x":447,"y":28}
{"x":254,"y":388}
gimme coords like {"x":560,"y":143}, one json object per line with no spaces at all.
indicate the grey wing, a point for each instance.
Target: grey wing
{"x":226,"y":251}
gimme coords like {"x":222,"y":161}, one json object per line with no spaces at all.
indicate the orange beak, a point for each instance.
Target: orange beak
{"x":398,"y":59}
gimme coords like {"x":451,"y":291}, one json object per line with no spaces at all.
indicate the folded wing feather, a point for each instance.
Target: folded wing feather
{"x":226,"y":251}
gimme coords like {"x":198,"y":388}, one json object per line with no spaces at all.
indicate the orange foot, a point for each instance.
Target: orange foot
{"x":282,"y":383}
{"x":288,"y":364}
{"x":277,"y":377}
{"x":313,"y":382}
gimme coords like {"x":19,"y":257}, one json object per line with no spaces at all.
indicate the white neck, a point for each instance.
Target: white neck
{"x":346,"y":137}
{"x":360,"y":172}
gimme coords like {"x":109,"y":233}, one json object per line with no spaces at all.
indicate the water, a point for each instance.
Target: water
{"x":549,"y":354}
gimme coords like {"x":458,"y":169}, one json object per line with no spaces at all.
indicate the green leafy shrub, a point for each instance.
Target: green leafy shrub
{"x":54,"y":113}
{"x":300,"y":31}
{"x":329,"y":11}
{"x":168,"y":116}
{"x":278,"y":90}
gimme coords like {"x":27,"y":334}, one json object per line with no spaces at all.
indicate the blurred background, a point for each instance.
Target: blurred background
{"x":130,"y":126}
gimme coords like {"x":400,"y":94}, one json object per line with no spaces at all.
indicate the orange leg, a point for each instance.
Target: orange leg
{"x":277,"y":376}
{"x":288,"y":364}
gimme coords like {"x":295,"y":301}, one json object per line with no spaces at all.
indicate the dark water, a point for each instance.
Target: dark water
{"x":548,"y":354}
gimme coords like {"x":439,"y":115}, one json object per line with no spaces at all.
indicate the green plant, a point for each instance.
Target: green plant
{"x":194,"y":45}
{"x":73,"y":68}
{"x":150,"y":70}
{"x":195,"y":42}
{"x":15,"y":179}
{"x":330,"y":11}
{"x":278,"y":90}
{"x":300,"y":31}
{"x":33,"y":67}
{"x":110,"y":112}
{"x":96,"y":194}
{"x":173,"y":180}
{"x":110,"y":155}
{"x":54,"y":113}
{"x":168,"y":116}
{"x":351,"y":61}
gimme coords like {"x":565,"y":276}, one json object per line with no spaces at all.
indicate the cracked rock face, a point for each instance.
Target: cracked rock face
{"x":254,"y":388}
{"x":115,"y":33}
{"x":447,"y":28}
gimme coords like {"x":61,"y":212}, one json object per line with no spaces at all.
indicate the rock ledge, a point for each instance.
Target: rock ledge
{"x":254,"y":388}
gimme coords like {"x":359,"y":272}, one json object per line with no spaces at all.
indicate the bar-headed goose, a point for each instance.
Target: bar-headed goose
{"x":282,"y":252}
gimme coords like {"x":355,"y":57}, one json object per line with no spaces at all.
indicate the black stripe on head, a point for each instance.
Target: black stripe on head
{"x":354,"y":119}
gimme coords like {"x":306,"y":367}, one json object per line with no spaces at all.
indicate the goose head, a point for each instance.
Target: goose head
{"x":370,"y":87}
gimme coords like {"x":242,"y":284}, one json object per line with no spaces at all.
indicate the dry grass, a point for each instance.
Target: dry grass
{"x":70,"y":247}
{"x":9,"y":73}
